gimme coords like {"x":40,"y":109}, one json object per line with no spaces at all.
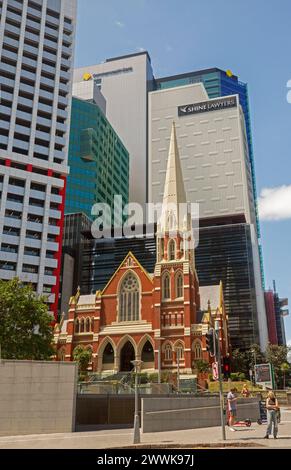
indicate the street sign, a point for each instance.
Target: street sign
{"x":215,"y":373}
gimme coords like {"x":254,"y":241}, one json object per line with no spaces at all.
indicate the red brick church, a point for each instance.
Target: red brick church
{"x":162,"y":317}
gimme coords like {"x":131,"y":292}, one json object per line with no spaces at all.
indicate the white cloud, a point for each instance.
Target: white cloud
{"x":119,"y":24}
{"x":275,"y":203}
{"x":140,"y":49}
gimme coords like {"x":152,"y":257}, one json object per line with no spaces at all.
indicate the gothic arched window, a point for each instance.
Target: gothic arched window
{"x":168,"y":352}
{"x":129,"y":298}
{"x":166,"y":286}
{"x":197,"y":350}
{"x":88,"y":323}
{"x":179,"y":352}
{"x":172,"y":250}
{"x":77,"y":326}
{"x":179,"y":285}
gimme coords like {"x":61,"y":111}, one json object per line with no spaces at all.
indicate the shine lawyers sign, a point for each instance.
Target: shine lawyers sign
{"x":206,"y":106}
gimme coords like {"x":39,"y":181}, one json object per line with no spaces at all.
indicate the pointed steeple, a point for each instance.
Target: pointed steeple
{"x":175,"y":214}
{"x":174,"y":191}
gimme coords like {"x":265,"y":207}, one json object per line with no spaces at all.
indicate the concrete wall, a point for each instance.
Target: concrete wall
{"x":170,"y":414}
{"x":37,"y":397}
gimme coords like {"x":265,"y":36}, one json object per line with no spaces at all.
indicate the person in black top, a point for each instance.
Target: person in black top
{"x":272,"y":409}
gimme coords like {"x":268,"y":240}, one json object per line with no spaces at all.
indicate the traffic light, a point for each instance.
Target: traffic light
{"x":226,"y":367}
{"x":210,"y":339}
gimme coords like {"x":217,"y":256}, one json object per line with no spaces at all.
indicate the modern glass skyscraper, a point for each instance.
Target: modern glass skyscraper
{"x":36,"y":50}
{"x":98,"y":160}
{"x":219,"y":83}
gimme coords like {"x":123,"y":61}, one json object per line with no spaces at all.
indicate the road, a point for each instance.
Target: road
{"x":195,"y":438}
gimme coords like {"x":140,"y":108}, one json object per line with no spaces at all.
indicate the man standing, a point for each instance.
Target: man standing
{"x":232,"y":408}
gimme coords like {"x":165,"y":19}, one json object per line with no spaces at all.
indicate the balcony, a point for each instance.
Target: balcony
{"x":41,"y":150}
{"x":47,"y":81}
{"x":22,"y":130}
{"x":46,"y":94}
{"x":59,"y":154}
{"x":32,"y":243}
{"x":51,"y":263}
{"x":14,"y":43}
{"x":50,"y":280}
{"x":12,"y":29}
{"x":29,"y":62}
{"x":34,"y":12}
{"x":30,"y":49}
{"x":29,"y":75}
{"x":34,"y":227}
{"x":36,"y":194}
{"x":8,"y":68}
{"x":10,"y":222}
{"x":55,"y":214}
{"x":3,"y":139}
{"x":55,"y":198}
{"x":9,"y":55}
{"x":43,"y":136}
{"x":6,"y":275}
{"x":21,"y":144}
{"x":16,"y":190}
{"x":62,"y":100}
{"x":7,"y":81}
{"x":27,"y":88}
{"x":62,"y":113}
{"x":14,"y":16}
{"x":32,"y":260}
{"x":8,"y":256}
{"x":45,"y":108}
{"x":14,"y":206}
{"x":61,"y":127}
{"x":43,"y":121}
{"x":51,"y":246}
{"x":25,"y":102}
{"x":53,"y":230}
{"x":51,"y":32}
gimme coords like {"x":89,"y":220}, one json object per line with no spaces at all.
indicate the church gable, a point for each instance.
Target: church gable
{"x":129,"y":264}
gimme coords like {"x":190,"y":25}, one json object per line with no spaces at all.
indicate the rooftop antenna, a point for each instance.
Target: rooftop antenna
{"x":274,"y":286}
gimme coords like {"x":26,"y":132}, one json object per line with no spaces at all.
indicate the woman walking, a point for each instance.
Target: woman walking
{"x":272,"y":409}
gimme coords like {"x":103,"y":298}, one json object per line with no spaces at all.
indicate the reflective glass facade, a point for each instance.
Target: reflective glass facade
{"x":98,"y":160}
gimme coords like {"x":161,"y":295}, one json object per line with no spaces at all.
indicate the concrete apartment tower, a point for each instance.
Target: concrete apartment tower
{"x":36,"y":49}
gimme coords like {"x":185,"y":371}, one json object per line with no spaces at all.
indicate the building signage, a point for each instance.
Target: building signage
{"x":206,"y":106}
{"x":264,"y":375}
{"x":96,"y":76}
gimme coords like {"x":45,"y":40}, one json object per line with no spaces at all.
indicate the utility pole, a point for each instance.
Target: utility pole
{"x":136,"y":432}
{"x":178,"y":370}
{"x":218,"y":360}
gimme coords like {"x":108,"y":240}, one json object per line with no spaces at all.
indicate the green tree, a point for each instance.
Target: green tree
{"x":277,"y":355}
{"x":202,"y":366}
{"x":285,"y":367}
{"x":243,"y":361}
{"x":83,"y":357}
{"x":25,"y":323}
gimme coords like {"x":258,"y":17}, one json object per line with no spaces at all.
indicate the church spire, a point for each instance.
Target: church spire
{"x":174,"y":191}
{"x":175,"y":216}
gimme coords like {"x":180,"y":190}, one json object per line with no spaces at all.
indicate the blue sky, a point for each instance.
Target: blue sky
{"x":253,"y":39}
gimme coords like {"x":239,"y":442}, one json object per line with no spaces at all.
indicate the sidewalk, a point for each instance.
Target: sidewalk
{"x":118,"y":438}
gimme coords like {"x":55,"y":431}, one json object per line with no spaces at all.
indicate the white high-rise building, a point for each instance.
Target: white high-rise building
{"x":124,"y":82}
{"x":36,"y":50}
{"x":215,"y":162}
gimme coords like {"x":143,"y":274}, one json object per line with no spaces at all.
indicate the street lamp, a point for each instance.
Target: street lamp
{"x":136,"y":433}
{"x":218,"y":360}
{"x":160,"y":360}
